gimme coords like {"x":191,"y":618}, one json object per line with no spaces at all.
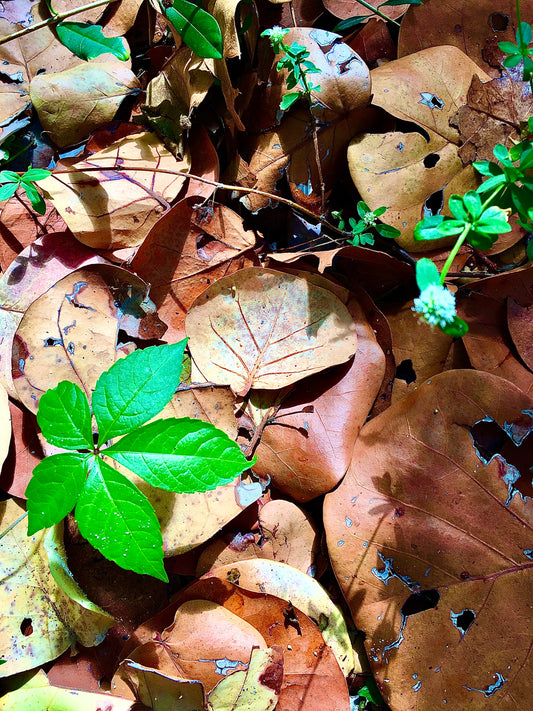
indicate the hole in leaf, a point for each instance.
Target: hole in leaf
{"x":434,"y":203}
{"x":463,"y":620}
{"x":499,"y":22}
{"x":49,"y":342}
{"x":26,"y":627}
{"x":420,"y":602}
{"x":511,"y":447}
{"x":406,"y":372}
{"x":431,"y":160}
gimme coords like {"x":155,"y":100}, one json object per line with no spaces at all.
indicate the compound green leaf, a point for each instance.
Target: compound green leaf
{"x":118,"y":520}
{"x":136,"y":388}
{"x":88,"y":41}
{"x":182,"y":455}
{"x":54,"y":489}
{"x":35,"y":174}
{"x":7,"y":190}
{"x":64,"y":417}
{"x":197,"y":28}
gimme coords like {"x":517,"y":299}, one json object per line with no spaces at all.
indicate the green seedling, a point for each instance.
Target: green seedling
{"x":522,"y":50}
{"x":175,"y":454}
{"x":368,"y":221}
{"x":10,"y":182}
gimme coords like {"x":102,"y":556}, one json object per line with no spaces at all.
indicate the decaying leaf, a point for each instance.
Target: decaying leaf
{"x":73,"y":103}
{"x":413,"y":174}
{"x":71,"y":331}
{"x":265,"y":329}
{"x":429,"y":535}
{"x":37,"y":593}
{"x":190,"y":247}
{"x":107,"y":209}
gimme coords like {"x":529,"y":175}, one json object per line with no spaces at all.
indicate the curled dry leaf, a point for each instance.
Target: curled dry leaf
{"x":116,"y":205}
{"x":190,"y":247}
{"x":36,"y":593}
{"x":474,"y":28}
{"x":413,"y":174}
{"x":71,"y":331}
{"x":494,"y":341}
{"x":307,"y":443}
{"x":300,"y":590}
{"x":73,"y":103}
{"x":429,"y":536}
{"x":30,"y":274}
{"x":265,"y":329}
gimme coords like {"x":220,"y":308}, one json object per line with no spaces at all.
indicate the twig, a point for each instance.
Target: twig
{"x":53,"y":20}
{"x":12,"y":525}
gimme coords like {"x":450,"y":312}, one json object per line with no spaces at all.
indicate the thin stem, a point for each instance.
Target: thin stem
{"x":377,"y":11}
{"x":12,"y":525}
{"x":521,"y":36}
{"x":55,"y":19}
{"x":457,"y":246}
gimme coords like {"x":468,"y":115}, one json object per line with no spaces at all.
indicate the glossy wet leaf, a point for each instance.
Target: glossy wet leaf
{"x":88,"y":41}
{"x":117,"y":519}
{"x":198,"y":29}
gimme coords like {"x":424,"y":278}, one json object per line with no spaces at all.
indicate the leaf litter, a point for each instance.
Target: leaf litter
{"x":385,"y":531}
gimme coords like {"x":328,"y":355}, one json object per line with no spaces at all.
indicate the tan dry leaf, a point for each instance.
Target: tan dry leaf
{"x":156,"y":690}
{"x":107,"y":209}
{"x":345,"y":9}
{"x":71,"y":331}
{"x":73,"y":103}
{"x":260,"y":328}
{"x":404,"y":172}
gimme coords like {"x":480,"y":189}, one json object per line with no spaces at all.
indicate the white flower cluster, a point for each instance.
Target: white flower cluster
{"x":437,"y":305}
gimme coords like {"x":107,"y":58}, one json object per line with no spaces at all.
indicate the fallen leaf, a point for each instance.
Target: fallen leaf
{"x":475,"y":29}
{"x":37,"y":592}
{"x":190,"y":247}
{"x":71,"y":331}
{"x":301,"y":590}
{"x":107,"y":208}
{"x":429,"y":537}
{"x":54,"y":698}
{"x":73,"y":103}
{"x":413,"y":174}
{"x":157,"y":691}
{"x":242,"y":332}
{"x":307,"y":444}
{"x":488,"y":342}
{"x":346,"y":8}
{"x":520,"y":323}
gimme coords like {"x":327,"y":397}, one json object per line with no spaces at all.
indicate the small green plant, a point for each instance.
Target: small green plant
{"x":522,"y":50}
{"x":368,"y":221}
{"x":175,"y":454}
{"x":10,"y":182}
{"x":507,"y":190}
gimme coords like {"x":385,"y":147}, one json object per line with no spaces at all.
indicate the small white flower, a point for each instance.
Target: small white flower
{"x":437,"y":305}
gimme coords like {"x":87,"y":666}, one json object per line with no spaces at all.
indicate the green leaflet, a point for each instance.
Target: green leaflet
{"x":88,"y":41}
{"x":115,"y":517}
{"x":426,"y":273}
{"x":197,"y":28}
{"x":54,"y":488}
{"x":182,"y":455}
{"x":136,"y":388}
{"x":64,"y":417}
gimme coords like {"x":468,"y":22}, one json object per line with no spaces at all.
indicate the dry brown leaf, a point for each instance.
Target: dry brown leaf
{"x":190,"y":247}
{"x":348,"y":8}
{"x":474,"y":28}
{"x":108,"y":209}
{"x":411,"y":174}
{"x":488,"y":342}
{"x":155,"y":690}
{"x":71,"y":331}
{"x":520,"y":324}
{"x":73,"y":103}
{"x":264,"y":329}
{"x":429,"y":536}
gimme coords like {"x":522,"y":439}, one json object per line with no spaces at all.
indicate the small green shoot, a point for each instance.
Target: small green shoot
{"x":11,"y":181}
{"x":175,"y":454}
{"x":522,"y":50}
{"x":368,"y":220}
